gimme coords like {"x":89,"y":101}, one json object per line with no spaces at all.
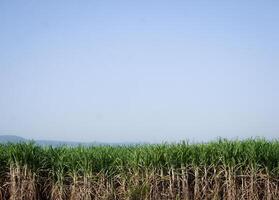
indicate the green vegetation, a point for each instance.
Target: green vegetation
{"x":217,"y":170}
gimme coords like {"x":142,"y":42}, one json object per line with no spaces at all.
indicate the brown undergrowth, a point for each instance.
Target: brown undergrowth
{"x":197,"y":183}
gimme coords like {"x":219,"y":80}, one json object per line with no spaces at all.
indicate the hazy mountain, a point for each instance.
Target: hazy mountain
{"x":17,"y":139}
{"x":11,"y":138}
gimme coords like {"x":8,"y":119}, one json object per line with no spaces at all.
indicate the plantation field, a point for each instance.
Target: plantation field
{"x":222,"y":169}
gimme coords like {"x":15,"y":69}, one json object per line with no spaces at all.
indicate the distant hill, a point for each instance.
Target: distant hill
{"x":17,"y":139}
{"x":11,"y":138}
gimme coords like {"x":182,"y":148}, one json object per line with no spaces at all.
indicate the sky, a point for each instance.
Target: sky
{"x":139,"y":71}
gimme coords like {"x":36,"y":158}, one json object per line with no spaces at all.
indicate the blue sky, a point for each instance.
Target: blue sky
{"x":151,"y":71}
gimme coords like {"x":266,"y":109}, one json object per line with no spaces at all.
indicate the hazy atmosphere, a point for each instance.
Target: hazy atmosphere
{"x":150,"y":71}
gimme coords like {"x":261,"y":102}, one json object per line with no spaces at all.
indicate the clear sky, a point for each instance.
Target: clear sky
{"x":141,"y":70}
